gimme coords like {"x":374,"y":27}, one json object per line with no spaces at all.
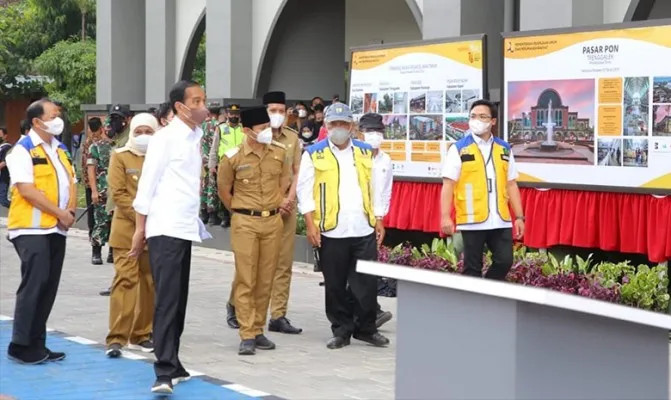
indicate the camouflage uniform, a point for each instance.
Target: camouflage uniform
{"x":99,"y":155}
{"x":208,"y":193}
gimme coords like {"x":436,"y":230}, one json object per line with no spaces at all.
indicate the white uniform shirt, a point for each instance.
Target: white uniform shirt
{"x":384,"y":180}
{"x":352,"y":219}
{"x":452,"y":170}
{"x":20,"y":165}
{"x":168,"y":192}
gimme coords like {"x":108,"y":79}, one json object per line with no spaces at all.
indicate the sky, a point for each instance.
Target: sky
{"x":577,"y":94}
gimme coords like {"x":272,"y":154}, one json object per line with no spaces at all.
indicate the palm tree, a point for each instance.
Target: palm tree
{"x":84,"y":6}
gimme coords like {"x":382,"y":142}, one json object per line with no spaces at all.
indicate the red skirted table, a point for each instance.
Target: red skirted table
{"x":627,"y":223}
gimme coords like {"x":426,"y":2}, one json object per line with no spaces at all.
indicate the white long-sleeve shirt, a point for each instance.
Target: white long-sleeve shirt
{"x":168,"y":192}
{"x":352,"y":219}
{"x":382,"y":184}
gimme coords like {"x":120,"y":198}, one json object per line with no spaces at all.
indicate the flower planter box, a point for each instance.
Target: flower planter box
{"x":467,"y":338}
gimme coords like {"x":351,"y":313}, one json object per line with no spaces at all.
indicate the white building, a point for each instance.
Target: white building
{"x":302,"y":46}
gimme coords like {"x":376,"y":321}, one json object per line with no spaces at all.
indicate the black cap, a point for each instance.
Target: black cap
{"x":120,"y":109}
{"x":233,"y":107}
{"x":274,"y":97}
{"x":371,"y":121}
{"x":254,"y":116}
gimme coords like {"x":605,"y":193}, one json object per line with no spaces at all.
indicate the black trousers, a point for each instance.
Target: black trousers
{"x":90,"y":214}
{"x":338,"y":259}
{"x":499,"y":242}
{"x":41,"y":266}
{"x":170,"y":260}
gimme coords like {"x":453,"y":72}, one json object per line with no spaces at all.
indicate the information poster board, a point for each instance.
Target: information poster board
{"x":591,"y":108}
{"x":423,"y":90}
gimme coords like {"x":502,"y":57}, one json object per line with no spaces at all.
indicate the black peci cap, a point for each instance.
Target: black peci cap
{"x":274,"y":97}
{"x":371,"y":121}
{"x":254,"y":116}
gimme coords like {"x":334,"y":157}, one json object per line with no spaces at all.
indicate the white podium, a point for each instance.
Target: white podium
{"x":467,"y":338}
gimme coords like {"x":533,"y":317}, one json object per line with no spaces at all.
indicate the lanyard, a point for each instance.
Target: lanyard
{"x":491,"y":151}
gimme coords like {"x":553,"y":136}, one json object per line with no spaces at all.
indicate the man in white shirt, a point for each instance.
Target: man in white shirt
{"x":41,"y":212}
{"x":479,"y":178}
{"x":372,"y":127}
{"x":166,"y":206}
{"x":335,"y":196}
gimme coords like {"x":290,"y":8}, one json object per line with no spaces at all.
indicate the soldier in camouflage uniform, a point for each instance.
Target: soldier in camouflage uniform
{"x":97,"y":164}
{"x":208,"y":210}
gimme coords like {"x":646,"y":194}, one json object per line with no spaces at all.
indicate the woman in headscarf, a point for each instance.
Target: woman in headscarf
{"x":132,"y":293}
{"x":308,"y":133}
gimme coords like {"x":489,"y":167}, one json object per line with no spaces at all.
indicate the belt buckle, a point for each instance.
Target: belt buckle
{"x":265,"y":213}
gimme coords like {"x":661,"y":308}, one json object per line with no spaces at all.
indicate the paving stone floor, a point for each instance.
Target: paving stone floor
{"x":300,"y":368}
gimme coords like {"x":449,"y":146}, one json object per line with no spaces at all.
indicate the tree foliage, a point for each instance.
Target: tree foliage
{"x":72,"y":67}
{"x":198,"y":74}
{"x":27,"y":29}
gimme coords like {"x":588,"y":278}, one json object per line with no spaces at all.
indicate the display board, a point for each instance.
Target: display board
{"x":423,"y":90}
{"x":591,"y":108}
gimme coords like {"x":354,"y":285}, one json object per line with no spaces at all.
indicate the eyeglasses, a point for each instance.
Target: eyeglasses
{"x":481,"y":117}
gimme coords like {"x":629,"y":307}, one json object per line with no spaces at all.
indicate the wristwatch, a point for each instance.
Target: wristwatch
{"x":521,"y":218}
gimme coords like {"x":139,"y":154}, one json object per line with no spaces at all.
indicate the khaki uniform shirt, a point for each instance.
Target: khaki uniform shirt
{"x":289,"y":138}
{"x":123,"y":177}
{"x":259,"y":178}
{"x":119,"y":141}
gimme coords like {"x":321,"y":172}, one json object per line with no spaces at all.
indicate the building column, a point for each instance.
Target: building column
{"x":564,"y":13}
{"x":229,"y":49}
{"x":120,"y":61}
{"x":441,"y":18}
{"x":159,"y":49}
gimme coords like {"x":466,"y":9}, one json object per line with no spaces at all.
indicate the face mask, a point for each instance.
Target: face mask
{"x":141,"y":142}
{"x":374,"y":139}
{"x":276,"y":120}
{"x":478,"y":127}
{"x":234,"y":120}
{"x":302,"y":113}
{"x":55,"y":126}
{"x":117,"y":125}
{"x":339,"y":136}
{"x":306,"y":134}
{"x":265,"y":136}
{"x":197,"y":115}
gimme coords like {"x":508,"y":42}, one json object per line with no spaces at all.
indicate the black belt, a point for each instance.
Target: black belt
{"x":254,"y":213}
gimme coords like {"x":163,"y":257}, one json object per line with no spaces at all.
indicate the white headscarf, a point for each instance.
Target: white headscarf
{"x":142,"y":119}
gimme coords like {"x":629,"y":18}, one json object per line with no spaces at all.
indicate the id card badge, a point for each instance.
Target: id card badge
{"x":489,"y":185}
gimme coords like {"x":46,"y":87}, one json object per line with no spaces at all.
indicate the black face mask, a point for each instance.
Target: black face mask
{"x":234,"y":120}
{"x":117,"y":126}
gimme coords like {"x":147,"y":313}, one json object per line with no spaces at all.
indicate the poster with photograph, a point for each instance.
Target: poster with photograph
{"x":423,"y":91}
{"x":591,"y":108}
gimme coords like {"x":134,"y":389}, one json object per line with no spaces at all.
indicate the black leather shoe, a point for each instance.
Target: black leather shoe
{"x":337,"y":342}
{"x":283,"y":325}
{"x":226,"y":223}
{"x":205,"y":217}
{"x":105,"y":292}
{"x":27,"y":355}
{"x":247,"y":348}
{"x":110,"y":256}
{"x":96,"y":257}
{"x":375,"y":339}
{"x":55,"y":355}
{"x":231,"y":319}
{"x":263,"y":343}
{"x":382,"y":317}
{"x":214,"y":219}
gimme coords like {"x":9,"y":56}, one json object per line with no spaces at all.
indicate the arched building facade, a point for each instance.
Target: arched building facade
{"x":302,"y":46}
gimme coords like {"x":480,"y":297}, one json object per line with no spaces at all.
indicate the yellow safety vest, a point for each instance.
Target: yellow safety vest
{"x":471,"y":195}
{"x":229,"y":138}
{"x":22,"y":214}
{"x":327,"y":182}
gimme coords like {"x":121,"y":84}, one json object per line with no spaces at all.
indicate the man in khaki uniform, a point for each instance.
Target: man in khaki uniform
{"x":252,"y":180}
{"x":279,"y":300}
{"x":132,"y":292}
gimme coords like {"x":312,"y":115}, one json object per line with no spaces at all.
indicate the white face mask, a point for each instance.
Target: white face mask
{"x":374,"y":139}
{"x":479,"y":127}
{"x":302,"y":113}
{"x":339,"y":136}
{"x":141,"y":143}
{"x":276,"y":120}
{"x":55,"y":126}
{"x":265,"y":136}
{"x":306,"y":134}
